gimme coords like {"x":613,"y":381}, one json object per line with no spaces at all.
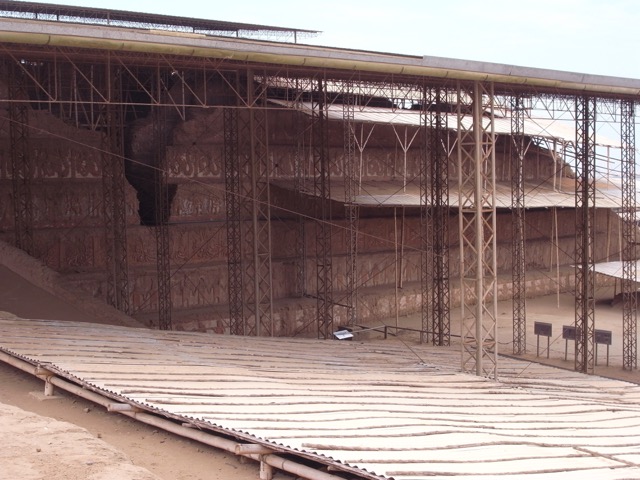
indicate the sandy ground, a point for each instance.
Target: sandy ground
{"x":69,"y":438}
{"x":558,"y":310}
{"x":66,"y":437}
{"x":39,"y":448}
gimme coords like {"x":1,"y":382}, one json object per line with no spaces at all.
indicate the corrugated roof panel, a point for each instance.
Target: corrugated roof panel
{"x":376,"y":407}
{"x":392,"y":193}
{"x":541,"y":128}
{"x":612,"y":269}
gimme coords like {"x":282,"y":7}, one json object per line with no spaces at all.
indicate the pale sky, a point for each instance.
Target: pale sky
{"x":587,"y":36}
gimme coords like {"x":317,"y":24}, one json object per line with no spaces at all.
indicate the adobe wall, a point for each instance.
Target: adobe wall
{"x":69,"y":231}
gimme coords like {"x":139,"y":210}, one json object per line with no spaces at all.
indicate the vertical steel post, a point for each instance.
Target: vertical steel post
{"x":351,"y":207}
{"x":235,"y":288}
{"x":299,"y":184}
{"x":322,"y":190}
{"x":21,"y":164}
{"x":426,"y":216}
{"x":262,"y":211}
{"x":629,"y":227}
{"x":114,"y":198}
{"x":477,"y":216}
{"x":256,"y":203}
{"x":162,"y":213}
{"x":585,"y":202}
{"x":439,"y":163}
{"x":518,"y":293}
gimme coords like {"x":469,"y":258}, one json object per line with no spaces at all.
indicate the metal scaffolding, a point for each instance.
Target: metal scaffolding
{"x":114,"y":199}
{"x":351,"y":207}
{"x":426,"y":218}
{"x":477,"y":217}
{"x":256,"y":208}
{"x":162,"y":206}
{"x":629,"y":237}
{"x":21,"y":164}
{"x":322,"y":190}
{"x":439,"y":163}
{"x":434,"y":200}
{"x":235,"y":287}
{"x":69,"y":82}
{"x":299,"y":176}
{"x":518,"y":266}
{"x":585,"y":201}
{"x":295,"y":89}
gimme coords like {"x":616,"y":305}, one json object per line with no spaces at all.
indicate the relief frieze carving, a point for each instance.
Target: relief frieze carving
{"x":198,"y":202}
{"x":190,"y":288}
{"x":65,"y":161}
{"x":195,"y":161}
{"x":198,"y":245}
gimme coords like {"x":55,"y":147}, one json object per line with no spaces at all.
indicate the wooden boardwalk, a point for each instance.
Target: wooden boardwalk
{"x":376,"y":409}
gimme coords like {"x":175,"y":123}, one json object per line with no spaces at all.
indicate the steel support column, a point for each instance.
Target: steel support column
{"x":114,"y":198}
{"x":256,"y":203}
{"x":351,"y":207}
{"x":21,"y":164}
{"x":322,"y":190}
{"x":439,"y":163}
{"x":477,"y":216}
{"x":434,"y":194}
{"x":629,"y":240}
{"x":426,"y":216}
{"x":518,"y":293}
{"x":235,"y":286}
{"x":299,"y":128}
{"x":162,"y":213}
{"x":585,"y":201}
{"x":299,"y":186}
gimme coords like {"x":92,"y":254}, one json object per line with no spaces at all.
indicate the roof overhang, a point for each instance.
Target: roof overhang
{"x":613,"y":269}
{"x":536,"y":128}
{"x":399,"y":193}
{"x":108,"y":17}
{"x":43,"y":33}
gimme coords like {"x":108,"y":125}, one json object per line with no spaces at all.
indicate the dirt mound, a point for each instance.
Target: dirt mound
{"x":29,"y":289}
{"x":42,"y":447}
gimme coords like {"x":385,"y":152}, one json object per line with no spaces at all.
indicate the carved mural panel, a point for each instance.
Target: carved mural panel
{"x":51,"y":160}
{"x":198,"y":201}
{"x":190,"y":288}
{"x":195,"y":161}
{"x":70,"y":204}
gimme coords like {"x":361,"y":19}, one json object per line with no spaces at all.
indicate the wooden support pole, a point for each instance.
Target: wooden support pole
{"x":46,"y":376}
{"x":48,"y":388}
{"x":266,"y":471}
{"x":122,"y":407}
{"x":251,"y":449}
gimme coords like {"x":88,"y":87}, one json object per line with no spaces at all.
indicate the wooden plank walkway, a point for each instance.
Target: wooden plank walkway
{"x":385,"y":409}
